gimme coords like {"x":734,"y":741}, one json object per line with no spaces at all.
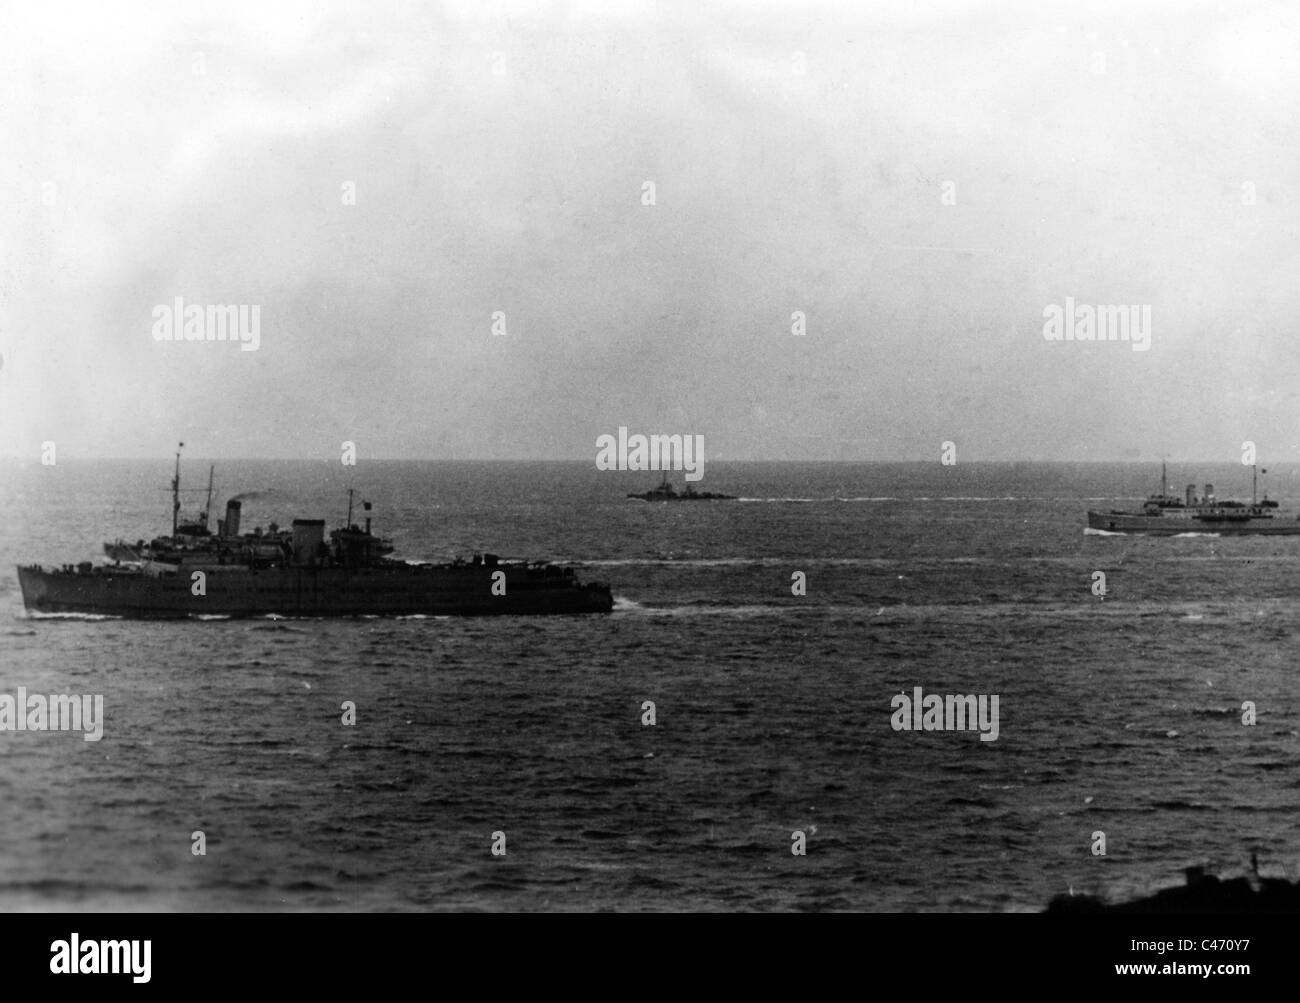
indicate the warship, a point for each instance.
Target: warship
{"x":296,"y":572}
{"x":667,"y":493}
{"x":1164,"y":514}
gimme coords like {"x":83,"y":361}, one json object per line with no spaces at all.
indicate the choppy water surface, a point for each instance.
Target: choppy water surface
{"x":773,"y":711}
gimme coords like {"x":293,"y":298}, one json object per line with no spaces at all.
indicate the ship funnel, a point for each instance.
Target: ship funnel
{"x":1191,"y":495}
{"x":308,"y":540}
{"x":1209,"y":494}
{"x":231,"y":525}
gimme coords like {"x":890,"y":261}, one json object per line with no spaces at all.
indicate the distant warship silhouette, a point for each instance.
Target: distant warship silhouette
{"x":666,"y":492}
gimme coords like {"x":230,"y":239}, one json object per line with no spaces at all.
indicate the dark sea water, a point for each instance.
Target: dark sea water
{"x":1120,"y":715}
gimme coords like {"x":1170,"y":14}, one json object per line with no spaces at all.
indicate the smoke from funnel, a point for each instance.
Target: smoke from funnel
{"x":250,"y":495}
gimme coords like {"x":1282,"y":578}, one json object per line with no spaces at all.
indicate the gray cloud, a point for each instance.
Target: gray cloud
{"x":776,"y":191}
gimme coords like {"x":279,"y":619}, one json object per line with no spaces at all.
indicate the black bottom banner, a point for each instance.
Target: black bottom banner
{"x":141,"y":952}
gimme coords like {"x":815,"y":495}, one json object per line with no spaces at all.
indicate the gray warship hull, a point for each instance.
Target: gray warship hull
{"x":1175,"y":525}
{"x":396,"y":589}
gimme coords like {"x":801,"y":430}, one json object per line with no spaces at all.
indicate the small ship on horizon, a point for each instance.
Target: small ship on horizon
{"x":295,"y":572}
{"x":1164,"y":514}
{"x":665,"y":492}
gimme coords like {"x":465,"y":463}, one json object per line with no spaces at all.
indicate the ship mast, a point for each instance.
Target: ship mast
{"x":176,"y":488}
{"x":348,"y":524}
{"x":208,"y":505}
{"x":1254,"y":485}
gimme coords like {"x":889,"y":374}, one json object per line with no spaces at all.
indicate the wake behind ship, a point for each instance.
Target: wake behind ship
{"x":195,"y":572}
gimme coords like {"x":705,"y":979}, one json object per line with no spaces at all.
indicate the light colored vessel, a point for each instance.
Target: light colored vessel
{"x":1164,"y":514}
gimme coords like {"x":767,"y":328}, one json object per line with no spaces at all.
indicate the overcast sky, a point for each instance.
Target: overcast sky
{"x":800,"y":155}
